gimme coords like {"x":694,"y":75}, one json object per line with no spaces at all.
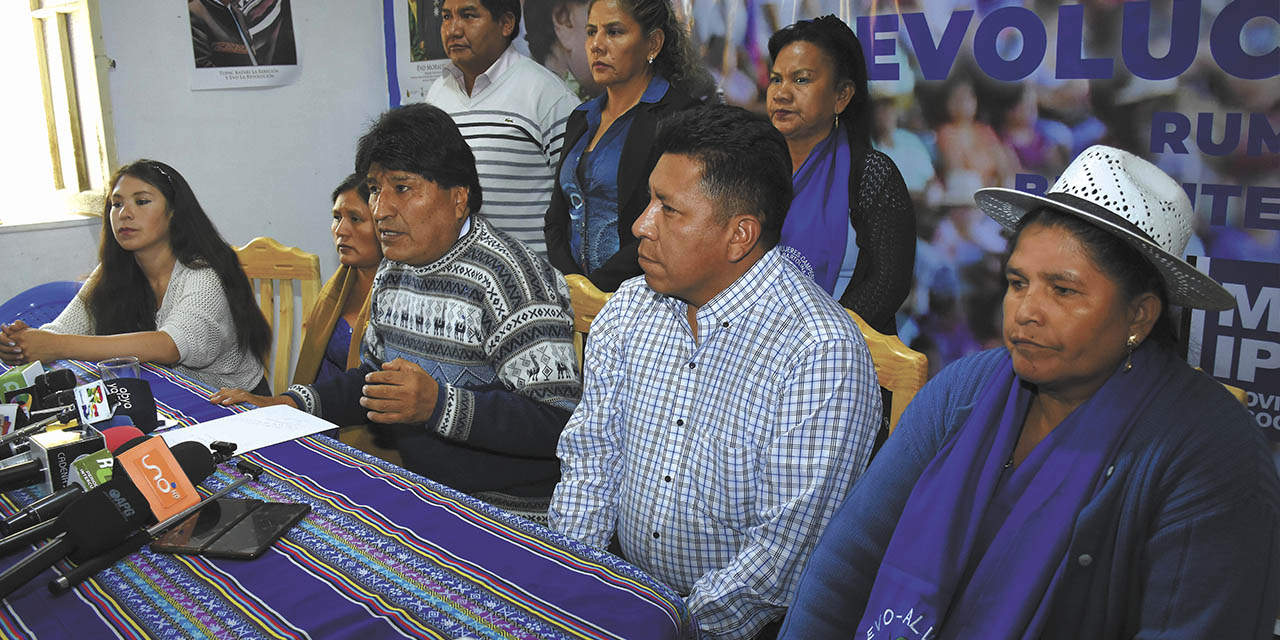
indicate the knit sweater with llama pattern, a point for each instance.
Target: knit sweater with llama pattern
{"x":492,"y":323}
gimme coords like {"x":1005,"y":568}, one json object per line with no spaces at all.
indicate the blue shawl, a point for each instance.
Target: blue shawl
{"x":980,"y":547}
{"x":817,"y":231}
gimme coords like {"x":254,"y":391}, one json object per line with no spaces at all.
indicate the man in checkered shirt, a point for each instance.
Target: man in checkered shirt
{"x":729,"y":402}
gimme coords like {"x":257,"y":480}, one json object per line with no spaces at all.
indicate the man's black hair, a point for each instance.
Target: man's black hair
{"x":746,"y":167}
{"x":496,"y":8}
{"x":422,"y":139}
{"x":356,"y":182}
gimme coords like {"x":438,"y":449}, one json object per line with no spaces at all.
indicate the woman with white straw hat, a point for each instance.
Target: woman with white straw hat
{"x":1080,"y":482}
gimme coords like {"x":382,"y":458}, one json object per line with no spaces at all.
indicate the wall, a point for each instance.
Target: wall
{"x":261,"y":161}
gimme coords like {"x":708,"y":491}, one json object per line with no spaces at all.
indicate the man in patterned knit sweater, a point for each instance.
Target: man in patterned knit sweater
{"x":469,"y":350}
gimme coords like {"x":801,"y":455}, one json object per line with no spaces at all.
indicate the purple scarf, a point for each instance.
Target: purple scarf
{"x":1014,"y":563}
{"x":816,"y":229}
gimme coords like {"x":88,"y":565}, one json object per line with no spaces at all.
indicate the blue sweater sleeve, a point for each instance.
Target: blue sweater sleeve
{"x":336,"y":399}
{"x":501,"y":420}
{"x":837,"y":581}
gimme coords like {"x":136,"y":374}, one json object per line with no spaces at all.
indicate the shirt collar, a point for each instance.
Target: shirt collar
{"x":504,"y":62}
{"x":656,"y":90}
{"x":730,"y":304}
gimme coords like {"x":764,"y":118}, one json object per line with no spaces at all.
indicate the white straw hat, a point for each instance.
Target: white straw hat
{"x":1128,"y":196}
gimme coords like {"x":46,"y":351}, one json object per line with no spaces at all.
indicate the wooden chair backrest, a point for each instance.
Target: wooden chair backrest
{"x":1238,"y":393}
{"x":272,"y":268}
{"x":901,"y":370}
{"x":587,"y":301}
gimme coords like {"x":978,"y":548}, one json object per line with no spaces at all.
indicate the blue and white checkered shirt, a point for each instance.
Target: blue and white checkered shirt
{"x":719,"y":461}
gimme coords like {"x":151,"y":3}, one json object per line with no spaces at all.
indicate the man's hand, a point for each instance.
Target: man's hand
{"x":401,"y":393}
{"x":227,"y":397}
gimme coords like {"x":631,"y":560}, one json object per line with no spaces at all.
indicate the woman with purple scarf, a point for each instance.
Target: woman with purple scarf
{"x":1080,"y":482}
{"x":851,"y":225}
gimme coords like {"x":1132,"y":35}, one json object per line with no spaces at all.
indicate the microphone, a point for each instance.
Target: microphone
{"x":41,"y":510}
{"x":21,"y":474}
{"x":53,"y":381}
{"x":45,"y":386}
{"x":59,"y":451}
{"x":90,"y":525}
{"x":133,"y":398}
{"x":115,"y":437}
{"x":28,"y":467}
{"x":18,"y":435}
{"x":53,"y":504}
{"x":46,"y":417}
{"x":102,"y":519}
{"x":30,"y":523}
{"x":66,"y":399}
{"x":84,"y":570}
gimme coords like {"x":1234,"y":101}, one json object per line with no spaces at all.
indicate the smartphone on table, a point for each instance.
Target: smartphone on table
{"x":204,"y":526}
{"x":257,"y":531}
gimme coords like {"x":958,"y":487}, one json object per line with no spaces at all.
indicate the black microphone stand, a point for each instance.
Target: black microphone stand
{"x":137,"y":541}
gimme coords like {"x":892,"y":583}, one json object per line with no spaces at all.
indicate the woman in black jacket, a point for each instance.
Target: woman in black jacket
{"x":639,"y":52}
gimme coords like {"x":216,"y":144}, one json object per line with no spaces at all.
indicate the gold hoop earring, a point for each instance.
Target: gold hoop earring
{"x":1129,"y":346}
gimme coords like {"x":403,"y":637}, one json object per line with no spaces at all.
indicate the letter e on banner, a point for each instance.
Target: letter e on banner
{"x":159,"y":477}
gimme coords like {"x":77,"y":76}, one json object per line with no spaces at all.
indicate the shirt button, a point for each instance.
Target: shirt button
{"x":725,"y":324}
{"x":1085,"y":559}
{"x":667,"y":478}
{"x":692,"y":365}
{"x":655,"y":535}
{"x":679,"y":423}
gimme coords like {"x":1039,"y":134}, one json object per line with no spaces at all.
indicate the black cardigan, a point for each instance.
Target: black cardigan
{"x":638,"y":159}
{"x":881,"y":213}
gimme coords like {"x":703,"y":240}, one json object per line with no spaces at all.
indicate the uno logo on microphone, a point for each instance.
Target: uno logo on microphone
{"x":153,"y":469}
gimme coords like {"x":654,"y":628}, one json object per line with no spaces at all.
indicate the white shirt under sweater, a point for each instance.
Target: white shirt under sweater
{"x":514,"y":122}
{"x":196,"y":316}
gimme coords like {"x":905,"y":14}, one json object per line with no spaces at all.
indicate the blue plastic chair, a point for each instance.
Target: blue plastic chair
{"x":39,"y":304}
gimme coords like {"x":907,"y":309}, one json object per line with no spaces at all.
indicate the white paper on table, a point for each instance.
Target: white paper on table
{"x":252,"y":429}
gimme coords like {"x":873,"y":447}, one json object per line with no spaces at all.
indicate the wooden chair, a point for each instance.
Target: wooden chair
{"x":266,"y":263}
{"x":901,"y":370}
{"x":587,"y":301}
{"x":1238,"y":393}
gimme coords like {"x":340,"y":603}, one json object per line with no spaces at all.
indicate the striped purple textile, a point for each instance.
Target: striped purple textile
{"x":383,"y":553}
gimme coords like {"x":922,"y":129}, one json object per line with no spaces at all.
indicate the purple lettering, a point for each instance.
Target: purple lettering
{"x":1220,"y":195}
{"x":1261,"y":133}
{"x":1163,"y":135}
{"x":1230,"y":134}
{"x":1031,"y":183}
{"x":936,"y":60}
{"x":986,"y":43}
{"x":1262,"y":208}
{"x":1071,"y":63}
{"x":1184,"y":34}
{"x":868,"y":27}
{"x":1224,"y":40}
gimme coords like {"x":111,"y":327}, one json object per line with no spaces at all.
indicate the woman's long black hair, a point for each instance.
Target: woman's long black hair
{"x":119,"y":297}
